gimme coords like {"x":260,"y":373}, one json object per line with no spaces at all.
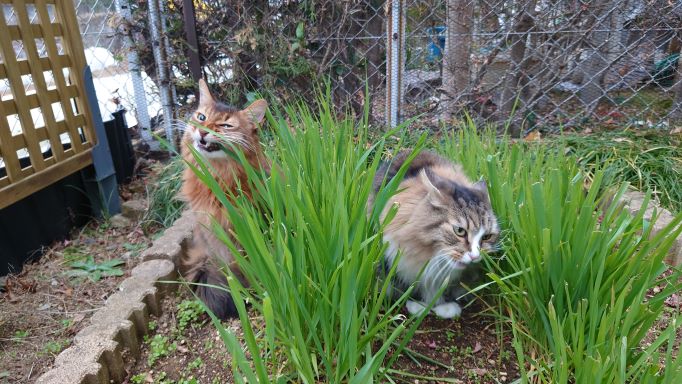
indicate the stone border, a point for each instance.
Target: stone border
{"x":633,"y":201}
{"x":96,"y":354}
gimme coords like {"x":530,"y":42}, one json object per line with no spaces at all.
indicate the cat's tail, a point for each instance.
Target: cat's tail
{"x":218,"y":299}
{"x":210,"y":283}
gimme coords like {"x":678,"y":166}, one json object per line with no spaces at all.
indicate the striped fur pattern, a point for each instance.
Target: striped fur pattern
{"x":210,"y":126}
{"x":443,"y":225}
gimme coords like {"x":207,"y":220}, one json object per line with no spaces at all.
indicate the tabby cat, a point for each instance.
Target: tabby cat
{"x":207,"y":255}
{"x":442,"y":225}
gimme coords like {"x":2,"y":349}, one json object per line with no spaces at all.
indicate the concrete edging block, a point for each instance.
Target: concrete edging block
{"x":633,"y":202}
{"x":96,"y":355}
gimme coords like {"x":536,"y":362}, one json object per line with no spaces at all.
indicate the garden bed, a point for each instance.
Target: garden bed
{"x":182,"y":345}
{"x":45,"y":305}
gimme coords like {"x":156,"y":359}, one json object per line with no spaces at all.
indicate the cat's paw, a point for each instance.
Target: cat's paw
{"x":447,"y":310}
{"x":414,"y":307}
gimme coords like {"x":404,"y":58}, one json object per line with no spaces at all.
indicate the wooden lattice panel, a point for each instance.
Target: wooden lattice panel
{"x":46,"y":130}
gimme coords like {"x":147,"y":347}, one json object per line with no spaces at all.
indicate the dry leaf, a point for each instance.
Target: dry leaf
{"x":533,"y":136}
{"x":477,"y":348}
{"x":673,"y":301}
{"x":78,"y":317}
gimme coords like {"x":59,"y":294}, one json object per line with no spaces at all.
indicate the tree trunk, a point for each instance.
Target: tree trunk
{"x":592,"y":68}
{"x":513,"y":94}
{"x":456,"y":56}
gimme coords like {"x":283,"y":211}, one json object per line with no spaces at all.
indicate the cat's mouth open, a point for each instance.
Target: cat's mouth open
{"x":208,"y":146}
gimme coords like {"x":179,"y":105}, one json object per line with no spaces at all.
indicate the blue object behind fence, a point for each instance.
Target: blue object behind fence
{"x":434,"y":50}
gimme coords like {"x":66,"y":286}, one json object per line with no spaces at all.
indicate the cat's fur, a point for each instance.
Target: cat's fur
{"x":207,"y":255}
{"x":443,"y":223}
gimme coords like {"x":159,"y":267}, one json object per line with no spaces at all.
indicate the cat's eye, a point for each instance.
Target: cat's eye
{"x":201,"y":117}
{"x":226,"y":125}
{"x":459,"y":231}
{"x":487,"y":237}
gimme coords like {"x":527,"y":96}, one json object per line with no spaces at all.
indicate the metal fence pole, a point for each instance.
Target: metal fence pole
{"x":189,"y":18}
{"x":163,"y":11}
{"x":394,"y":69}
{"x":141,"y":104}
{"x":162,"y":69}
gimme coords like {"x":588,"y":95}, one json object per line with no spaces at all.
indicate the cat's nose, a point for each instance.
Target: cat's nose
{"x":202,"y":133}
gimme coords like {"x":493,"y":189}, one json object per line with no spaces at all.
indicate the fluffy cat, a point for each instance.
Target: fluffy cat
{"x":206,"y":255}
{"x":443,"y":223}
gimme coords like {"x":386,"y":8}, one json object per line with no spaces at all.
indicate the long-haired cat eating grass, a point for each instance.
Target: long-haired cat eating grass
{"x":213,"y":130}
{"x":442,"y":225}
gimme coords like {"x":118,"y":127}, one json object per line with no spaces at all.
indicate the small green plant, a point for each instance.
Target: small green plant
{"x":74,"y":253}
{"x":66,"y":323}
{"x":195,"y":364}
{"x":134,"y":249}
{"x":152,"y":325}
{"x":164,"y":205}
{"x":140,"y":378}
{"x":159,"y":347}
{"x":21,"y":334}
{"x":189,"y":313}
{"x":95,"y":271}
{"x":54,"y":347}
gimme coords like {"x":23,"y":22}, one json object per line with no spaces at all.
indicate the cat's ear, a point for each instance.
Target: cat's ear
{"x":434,"y":195}
{"x":426,"y":181}
{"x":256,"y":111}
{"x":205,"y":96}
{"x":482,"y":186}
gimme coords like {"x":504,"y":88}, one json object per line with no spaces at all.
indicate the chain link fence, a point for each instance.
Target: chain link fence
{"x":544,"y":64}
{"x":520,"y":64}
{"x":112,"y":54}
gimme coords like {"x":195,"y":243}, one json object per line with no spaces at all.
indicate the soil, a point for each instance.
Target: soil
{"x":43,"y":307}
{"x":171,"y":354}
{"x":467,"y":349}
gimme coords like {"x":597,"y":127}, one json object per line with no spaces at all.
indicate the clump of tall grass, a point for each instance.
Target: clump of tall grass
{"x":574,"y":278}
{"x":648,"y":160}
{"x":310,"y":255}
{"x":164,"y":204}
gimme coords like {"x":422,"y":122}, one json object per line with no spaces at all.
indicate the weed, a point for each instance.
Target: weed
{"x":21,"y":334}
{"x":95,"y":271}
{"x":152,"y":325}
{"x":189,"y":313}
{"x":134,"y":249}
{"x":164,"y":205}
{"x":66,"y":323}
{"x":54,"y":347}
{"x":159,"y":347}
{"x":140,"y":378}
{"x":74,"y":253}
{"x":195,"y":364}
